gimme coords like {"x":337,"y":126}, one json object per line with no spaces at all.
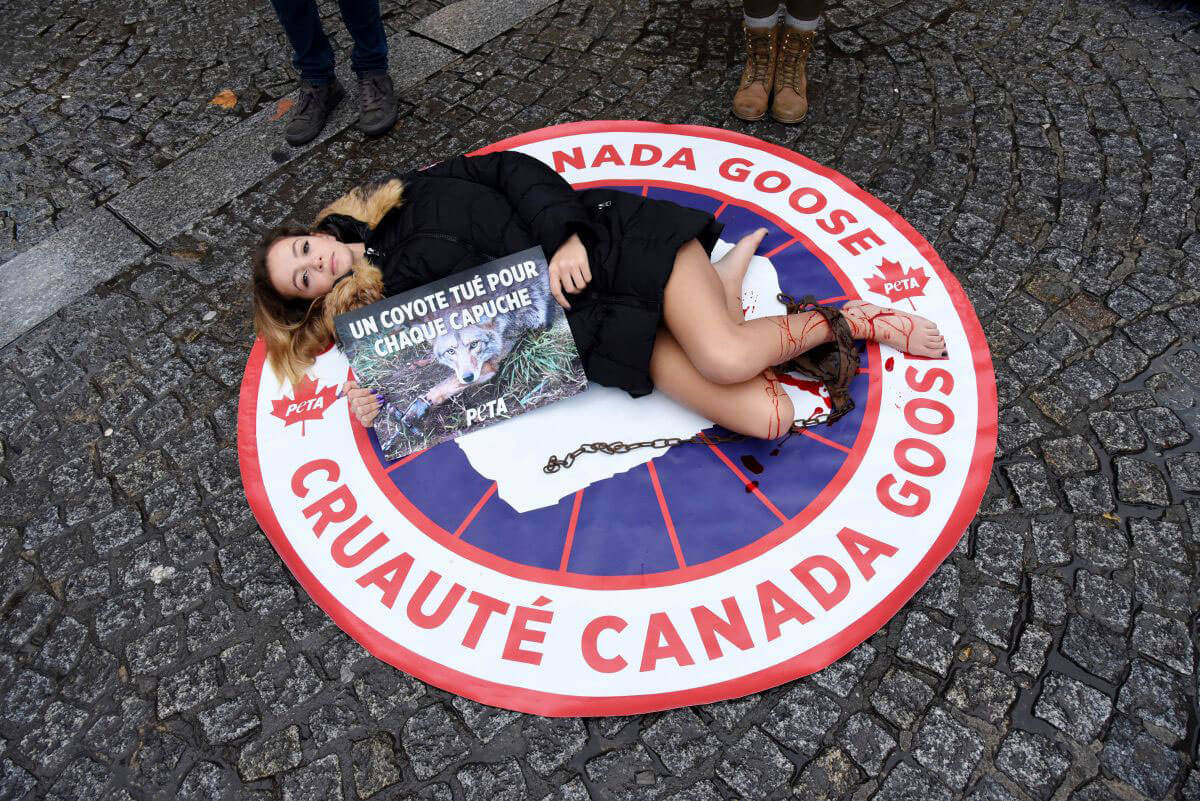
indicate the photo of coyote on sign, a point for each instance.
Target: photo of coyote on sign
{"x":474,"y":352}
{"x":473,"y":360}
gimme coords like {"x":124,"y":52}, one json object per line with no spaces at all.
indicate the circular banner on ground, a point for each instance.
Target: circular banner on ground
{"x":652,"y":579}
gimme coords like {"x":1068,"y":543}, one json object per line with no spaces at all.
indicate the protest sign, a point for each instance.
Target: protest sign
{"x":463,"y":353}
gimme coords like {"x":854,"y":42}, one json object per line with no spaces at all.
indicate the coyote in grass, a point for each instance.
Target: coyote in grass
{"x":475,"y":351}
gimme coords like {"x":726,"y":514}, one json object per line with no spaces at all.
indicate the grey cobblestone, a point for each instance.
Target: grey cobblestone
{"x":1103,"y":599}
{"x":206,"y":780}
{"x":432,"y":742}
{"x":1032,"y":761}
{"x":1156,"y":696}
{"x":501,"y":782}
{"x":1139,"y":481}
{"x":906,"y":783}
{"x":1052,"y":542}
{"x":485,"y":722}
{"x":901,"y":697}
{"x":927,"y":643}
{"x":1031,"y":655}
{"x":84,"y":778}
{"x":229,"y":721}
{"x":374,"y":765}
{"x":754,"y":765}
{"x":270,"y":755}
{"x":625,"y":773}
{"x":947,"y":748}
{"x":1135,"y":757}
{"x":1163,"y":639}
{"x":982,"y":692}
{"x":1102,"y":544}
{"x":1072,"y":707}
{"x":1158,"y":539}
{"x":831,"y":775}
{"x":552,"y":741}
{"x":680,"y":740}
{"x":321,"y":778}
{"x":1160,"y":585}
{"x":867,"y":742}
{"x":844,"y":675}
{"x":801,"y":718}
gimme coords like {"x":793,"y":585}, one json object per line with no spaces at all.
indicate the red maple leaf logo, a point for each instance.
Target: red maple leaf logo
{"x":308,"y":402}
{"x":896,"y":283}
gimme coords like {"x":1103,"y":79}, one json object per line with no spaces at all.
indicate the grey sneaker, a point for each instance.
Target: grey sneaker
{"x":313,"y":107}
{"x":377,"y":101}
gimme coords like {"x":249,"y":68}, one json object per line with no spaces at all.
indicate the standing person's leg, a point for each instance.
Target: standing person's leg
{"x":313,"y":58}
{"x":790,"y":103}
{"x":369,"y":59}
{"x":312,"y":54}
{"x":760,"y":26}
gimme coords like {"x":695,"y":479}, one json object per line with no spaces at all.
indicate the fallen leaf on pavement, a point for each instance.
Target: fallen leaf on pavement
{"x":225,"y":99}
{"x":282,"y":107}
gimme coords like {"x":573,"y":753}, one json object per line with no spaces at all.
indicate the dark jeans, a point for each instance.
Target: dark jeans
{"x":313,"y":57}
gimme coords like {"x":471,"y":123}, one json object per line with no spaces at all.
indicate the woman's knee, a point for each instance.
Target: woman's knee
{"x":723,"y":361}
{"x":769,"y":416}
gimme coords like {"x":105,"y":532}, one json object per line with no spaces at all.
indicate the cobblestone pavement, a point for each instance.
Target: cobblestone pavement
{"x":96,"y":96}
{"x":152,"y":645}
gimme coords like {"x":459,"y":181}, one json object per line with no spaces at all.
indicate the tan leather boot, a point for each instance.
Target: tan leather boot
{"x":754,"y":92}
{"x":790,"y":103}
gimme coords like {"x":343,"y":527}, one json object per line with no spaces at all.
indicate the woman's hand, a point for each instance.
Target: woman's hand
{"x":569,"y":271}
{"x":365,"y":403}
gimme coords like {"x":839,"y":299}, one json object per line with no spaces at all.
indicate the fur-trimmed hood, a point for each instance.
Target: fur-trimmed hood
{"x":367,"y":204}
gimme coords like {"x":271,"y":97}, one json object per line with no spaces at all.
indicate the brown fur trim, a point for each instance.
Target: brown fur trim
{"x":367,"y":203}
{"x":362,"y":288}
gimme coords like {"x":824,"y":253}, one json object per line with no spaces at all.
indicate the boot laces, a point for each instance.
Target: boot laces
{"x":792,"y":53}
{"x":307,"y":99}
{"x":311,"y":99}
{"x":759,"y":46}
{"x":373,"y":92}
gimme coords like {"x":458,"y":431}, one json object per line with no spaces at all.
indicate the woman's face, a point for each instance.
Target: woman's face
{"x":307,"y":266}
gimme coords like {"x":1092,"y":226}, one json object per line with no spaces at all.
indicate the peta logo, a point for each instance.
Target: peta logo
{"x":308,"y":402}
{"x":896,"y":283}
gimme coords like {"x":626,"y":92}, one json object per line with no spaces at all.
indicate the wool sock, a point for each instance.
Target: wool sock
{"x":801,"y":24}
{"x":761,"y":22}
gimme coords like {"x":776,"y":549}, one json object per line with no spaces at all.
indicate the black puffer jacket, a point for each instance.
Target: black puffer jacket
{"x":466,"y":211}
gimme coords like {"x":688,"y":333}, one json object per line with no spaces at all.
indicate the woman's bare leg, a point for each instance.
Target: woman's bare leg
{"x":697,"y":311}
{"x":758,"y":407}
{"x":731,"y":271}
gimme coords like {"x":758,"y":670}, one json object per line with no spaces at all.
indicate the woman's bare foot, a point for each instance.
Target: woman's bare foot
{"x":731,"y":269}
{"x":903,"y":331}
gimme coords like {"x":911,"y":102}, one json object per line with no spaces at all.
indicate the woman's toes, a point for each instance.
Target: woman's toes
{"x":752,"y":240}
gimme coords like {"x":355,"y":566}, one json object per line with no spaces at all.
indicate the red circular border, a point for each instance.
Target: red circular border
{"x":767,"y":541}
{"x":538,"y":702}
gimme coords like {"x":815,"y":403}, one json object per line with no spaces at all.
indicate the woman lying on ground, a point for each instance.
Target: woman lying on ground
{"x":646,"y":305}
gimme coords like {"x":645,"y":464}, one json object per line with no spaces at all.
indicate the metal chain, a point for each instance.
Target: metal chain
{"x":834,"y":381}
{"x":554,"y":464}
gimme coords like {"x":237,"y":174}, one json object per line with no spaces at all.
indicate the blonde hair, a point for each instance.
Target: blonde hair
{"x":295,"y":331}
